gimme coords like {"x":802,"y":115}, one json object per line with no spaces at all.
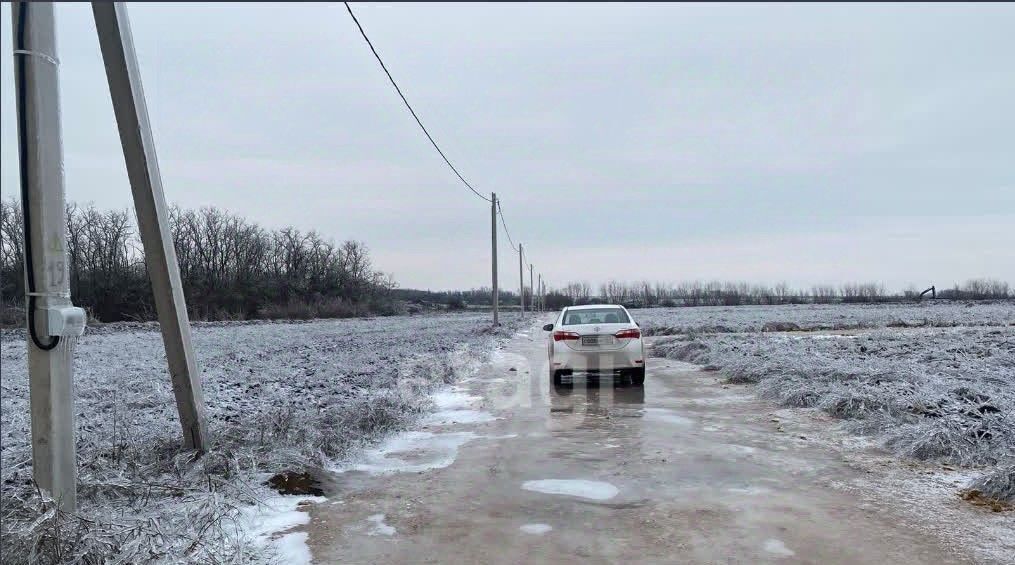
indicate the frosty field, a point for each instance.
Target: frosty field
{"x":729,"y":319}
{"x":932,"y":381}
{"x":279,"y":396}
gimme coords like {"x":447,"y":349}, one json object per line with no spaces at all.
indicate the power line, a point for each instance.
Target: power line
{"x":409,"y":106}
{"x":503,"y":222}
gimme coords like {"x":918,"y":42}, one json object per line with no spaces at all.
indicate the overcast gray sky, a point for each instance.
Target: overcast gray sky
{"x":811,"y":144}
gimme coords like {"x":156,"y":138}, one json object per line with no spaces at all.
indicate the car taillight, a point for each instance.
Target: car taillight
{"x":565,"y":336}
{"x":628,"y":334}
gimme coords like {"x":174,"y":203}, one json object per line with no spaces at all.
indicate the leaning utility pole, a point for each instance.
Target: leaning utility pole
{"x":47,"y":282}
{"x":124,"y":79}
{"x":521,"y":282}
{"x":493,"y":246}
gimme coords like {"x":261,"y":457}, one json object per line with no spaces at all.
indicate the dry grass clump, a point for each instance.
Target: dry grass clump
{"x":932,"y":394}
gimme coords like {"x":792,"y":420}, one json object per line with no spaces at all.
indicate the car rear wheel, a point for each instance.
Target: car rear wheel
{"x":558,"y":377}
{"x":638,"y":376}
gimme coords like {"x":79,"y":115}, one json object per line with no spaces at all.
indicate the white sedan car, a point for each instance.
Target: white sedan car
{"x":595,"y":339}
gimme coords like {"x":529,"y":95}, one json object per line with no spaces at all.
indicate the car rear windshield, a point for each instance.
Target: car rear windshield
{"x":596,"y":316}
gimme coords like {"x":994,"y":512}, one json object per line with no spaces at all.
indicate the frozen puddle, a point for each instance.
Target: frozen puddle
{"x":455,"y":407}
{"x":592,"y":490}
{"x":668,"y":416}
{"x":536,"y":529}
{"x":267,"y":525}
{"x":683,"y":365}
{"x":411,"y":452}
{"x":776,"y":547}
{"x":379,"y":527}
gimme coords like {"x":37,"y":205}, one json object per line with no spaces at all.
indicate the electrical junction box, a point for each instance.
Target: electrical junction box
{"x":66,"y":321}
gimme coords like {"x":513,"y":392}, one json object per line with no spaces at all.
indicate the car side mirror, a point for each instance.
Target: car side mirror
{"x":548,"y":327}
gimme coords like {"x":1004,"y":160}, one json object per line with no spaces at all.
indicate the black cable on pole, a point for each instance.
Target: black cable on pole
{"x":503,"y":222}
{"x":23,"y":165}
{"x":409,"y":106}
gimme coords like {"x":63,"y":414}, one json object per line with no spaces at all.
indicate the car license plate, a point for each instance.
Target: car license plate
{"x":595,"y":340}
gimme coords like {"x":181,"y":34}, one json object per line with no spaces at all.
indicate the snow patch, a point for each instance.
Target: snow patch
{"x":267,"y":524}
{"x":410,"y":452}
{"x":776,"y":547}
{"x":536,"y":529}
{"x":456,"y":407}
{"x":292,"y":548}
{"x":379,"y":527}
{"x":592,"y":490}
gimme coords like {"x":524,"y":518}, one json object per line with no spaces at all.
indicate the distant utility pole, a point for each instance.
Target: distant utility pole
{"x":532,"y":291}
{"x":53,"y":323}
{"x":538,"y":286}
{"x":521,"y":281}
{"x":124,"y":79}
{"x":493,"y":246}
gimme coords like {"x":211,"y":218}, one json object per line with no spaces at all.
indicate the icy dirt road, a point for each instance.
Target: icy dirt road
{"x":686,"y":470}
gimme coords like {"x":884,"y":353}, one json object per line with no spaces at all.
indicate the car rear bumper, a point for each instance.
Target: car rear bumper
{"x":629,"y":357}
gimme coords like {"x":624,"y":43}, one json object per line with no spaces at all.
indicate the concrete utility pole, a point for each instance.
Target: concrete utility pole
{"x":124,"y":79}
{"x":539,"y":286}
{"x":493,"y":246}
{"x":532,"y":291}
{"x":53,"y":323}
{"x":521,"y":282}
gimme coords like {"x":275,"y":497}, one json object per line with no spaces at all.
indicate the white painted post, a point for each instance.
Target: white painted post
{"x":493,"y":245}
{"x":47,"y":277}
{"x":521,"y":282}
{"x":124,"y":79}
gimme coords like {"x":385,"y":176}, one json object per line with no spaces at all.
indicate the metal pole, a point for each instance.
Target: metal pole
{"x":521,"y":282}
{"x":124,"y":79}
{"x":495,"y":298}
{"x":47,"y":280}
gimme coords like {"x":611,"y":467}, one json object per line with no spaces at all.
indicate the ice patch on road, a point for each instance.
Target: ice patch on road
{"x":740,"y":449}
{"x":459,"y":417}
{"x":267,"y":524}
{"x":410,"y":452}
{"x":380,"y":528}
{"x":681,"y":365}
{"x":668,"y":416}
{"x":592,"y":490}
{"x":292,"y":548}
{"x":776,"y":547}
{"x":750,"y":491}
{"x":536,"y":529}
{"x":456,"y":407}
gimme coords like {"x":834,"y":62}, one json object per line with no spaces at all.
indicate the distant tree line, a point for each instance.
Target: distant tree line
{"x":457,"y":299}
{"x":720,"y":293}
{"x":698,"y":293}
{"x":231,"y":268}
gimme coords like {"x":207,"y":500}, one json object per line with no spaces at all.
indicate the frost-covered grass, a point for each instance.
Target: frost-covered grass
{"x":932,"y":393}
{"x":278,"y":396}
{"x":792,"y":317}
